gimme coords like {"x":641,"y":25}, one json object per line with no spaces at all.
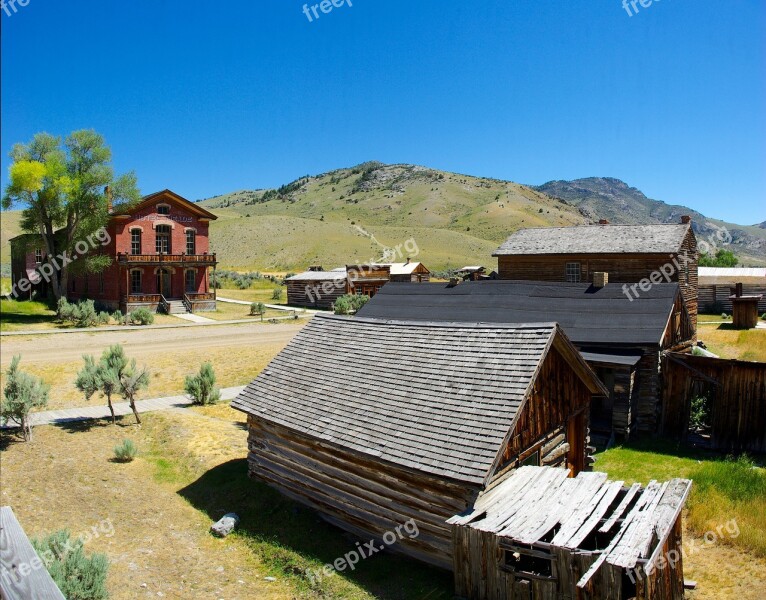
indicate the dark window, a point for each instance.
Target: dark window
{"x":531,"y":460}
{"x":191,"y":281}
{"x":573,"y":272}
{"x":163,"y":239}
{"x":135,"y":282}
{"x":38,"y":255}
{"x":135,"y":241}
{"x":191,"y":242}
{"x":163,"y":209}
{"x":529,"y":564}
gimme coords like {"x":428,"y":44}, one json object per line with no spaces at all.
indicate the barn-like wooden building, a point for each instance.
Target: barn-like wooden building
{"x":627,"y":254}
{"x":374,"y":423}
{"x":622,"y":339}
{"x":316,"y":288}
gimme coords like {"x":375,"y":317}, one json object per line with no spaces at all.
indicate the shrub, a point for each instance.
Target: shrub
{"x":699,"y":416}
{"x":201,"y":387}
{"x":118,"y":317}
{"x":125,"y":452}
{"x":78,"y":577}
{"x":104,"y":318}
{"x":82,"y":314}
{"x":277,"y":294}
{"x":724,"y":316}
{"x":258,"y":308}
{"x":141,"y":316}
{"x":22,"y":393}
{"x":350,"y":303}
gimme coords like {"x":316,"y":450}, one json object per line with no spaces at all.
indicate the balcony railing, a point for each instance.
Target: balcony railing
{"x":142,"y":298}
{"x":159,"y":259}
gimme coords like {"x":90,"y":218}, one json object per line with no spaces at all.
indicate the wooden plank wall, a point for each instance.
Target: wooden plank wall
{"x":666,"y":583}
{"x":710,"y":294}
{"x":648,"y":405}
{"x":559,"y":395}
{"x":22,"y":573}
{"x":357,"y":493}
{"x":298,"y":293}
{"x":739,"y":408}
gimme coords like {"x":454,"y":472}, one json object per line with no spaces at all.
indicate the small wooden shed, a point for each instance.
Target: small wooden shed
{"x":373,"y":423}
{"x":316,"y":288}
{"x":539,"y":535}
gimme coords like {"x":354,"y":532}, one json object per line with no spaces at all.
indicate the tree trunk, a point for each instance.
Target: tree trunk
{"x":135,"y":412}
{"x":111,"y":408}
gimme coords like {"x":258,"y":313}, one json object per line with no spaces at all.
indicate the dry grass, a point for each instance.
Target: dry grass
{"x":227,"y":311}
{"x":727,"y":342}
{"x":167,"y":370}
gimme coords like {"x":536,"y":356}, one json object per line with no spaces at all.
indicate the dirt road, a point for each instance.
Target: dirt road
{"x":67,"y":348}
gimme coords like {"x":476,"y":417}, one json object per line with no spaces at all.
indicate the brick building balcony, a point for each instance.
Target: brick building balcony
{"x":167,"y":259}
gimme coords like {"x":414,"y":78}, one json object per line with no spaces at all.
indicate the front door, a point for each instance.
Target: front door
{"x":163,"y":283}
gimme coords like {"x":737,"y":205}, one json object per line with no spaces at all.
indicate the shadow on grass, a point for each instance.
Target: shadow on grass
{"x":124,"y":422}
{"x":291,"y":539}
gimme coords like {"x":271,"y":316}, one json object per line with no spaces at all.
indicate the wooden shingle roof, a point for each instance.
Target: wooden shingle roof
{"x":434,"y":397}
{"x":596,"y":239}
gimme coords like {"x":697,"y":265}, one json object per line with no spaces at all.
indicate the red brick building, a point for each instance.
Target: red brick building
{"x":160,"y":254}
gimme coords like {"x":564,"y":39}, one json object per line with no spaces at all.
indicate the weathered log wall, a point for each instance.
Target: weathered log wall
{"x":716,"y":297}
{"x":357,"y":493}
{"x":314,"y":294}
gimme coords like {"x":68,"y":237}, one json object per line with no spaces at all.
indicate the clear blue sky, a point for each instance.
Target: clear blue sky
{"x":210,"y":97}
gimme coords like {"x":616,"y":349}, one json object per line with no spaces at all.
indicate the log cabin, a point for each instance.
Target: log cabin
{"x":316,"y":288}
{"x":160,"y":258}
{"x":627,"y":254}
{"x":622,"y":339}
{"x":373,"y":423}
{"x":367,"y":279}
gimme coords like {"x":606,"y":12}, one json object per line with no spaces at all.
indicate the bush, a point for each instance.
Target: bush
{"x":125,"y":452}
{"x":118,"y":317}
{"x":82,"y":314}
{"x":141,"y":316}
{"x":78,"y":577}
{"x":22,"y":393}
{"x":201,"y":387}
{"x":724,"y":316}
{"x":104,"y":318}
{"x":257,"y":308}
{"x":277,"y":294}
{"x":350,"y":303}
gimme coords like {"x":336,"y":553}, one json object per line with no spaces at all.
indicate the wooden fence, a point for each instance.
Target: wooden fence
{"x":738,"y":392}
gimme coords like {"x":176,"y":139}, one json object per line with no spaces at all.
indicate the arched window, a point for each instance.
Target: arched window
{"x":163,"y":239}
{"x":163,"y":209}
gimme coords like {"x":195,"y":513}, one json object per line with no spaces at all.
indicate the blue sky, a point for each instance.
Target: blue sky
{"x":210,"y":97}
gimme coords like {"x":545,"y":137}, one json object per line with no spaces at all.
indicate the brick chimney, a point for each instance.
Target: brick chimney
{"x":685,"y":219}
{"x":603,"y":222}
{"x":600,"y":279}
{"x":108,"y":194}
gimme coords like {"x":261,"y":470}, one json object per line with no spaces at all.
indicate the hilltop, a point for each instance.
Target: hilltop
{"x":343,"y":216}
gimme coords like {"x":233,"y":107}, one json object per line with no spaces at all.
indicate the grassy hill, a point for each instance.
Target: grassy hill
{"x":454,"y":219}
{"x":347,"y":215}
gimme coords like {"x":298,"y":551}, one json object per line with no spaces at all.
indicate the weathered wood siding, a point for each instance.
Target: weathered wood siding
{"x":313,"y":293}
{"x":357,"y":493}
{"x":648,"y":401}
{"x":739,"y":405}
{"x":554,"y":419}
{"x":715,"y":298}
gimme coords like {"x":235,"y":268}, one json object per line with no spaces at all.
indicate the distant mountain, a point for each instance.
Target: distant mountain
{"x":614,"y":200}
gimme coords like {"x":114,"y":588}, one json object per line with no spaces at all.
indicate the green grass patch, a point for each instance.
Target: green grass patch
{"x":724,"y":489}
{"x":18,"y":315}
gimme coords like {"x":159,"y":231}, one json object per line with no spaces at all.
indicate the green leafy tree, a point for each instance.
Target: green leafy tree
{"x":201,"y":387}
{"x":721,"y":258}
{"x":62,"y":186}
{"x":103,"y":376}
{"x":132,"y":381}
{"x":22,"y":393}
{"x":78,"y":576}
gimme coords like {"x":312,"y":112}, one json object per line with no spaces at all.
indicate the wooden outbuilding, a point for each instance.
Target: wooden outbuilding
{"x":632,"y":254}
{"x":539,"y":535}
{"x":621,"y":337}
{"x":316,"y":288}
{"x":374,"y":423}
{"x":716,"y":285}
